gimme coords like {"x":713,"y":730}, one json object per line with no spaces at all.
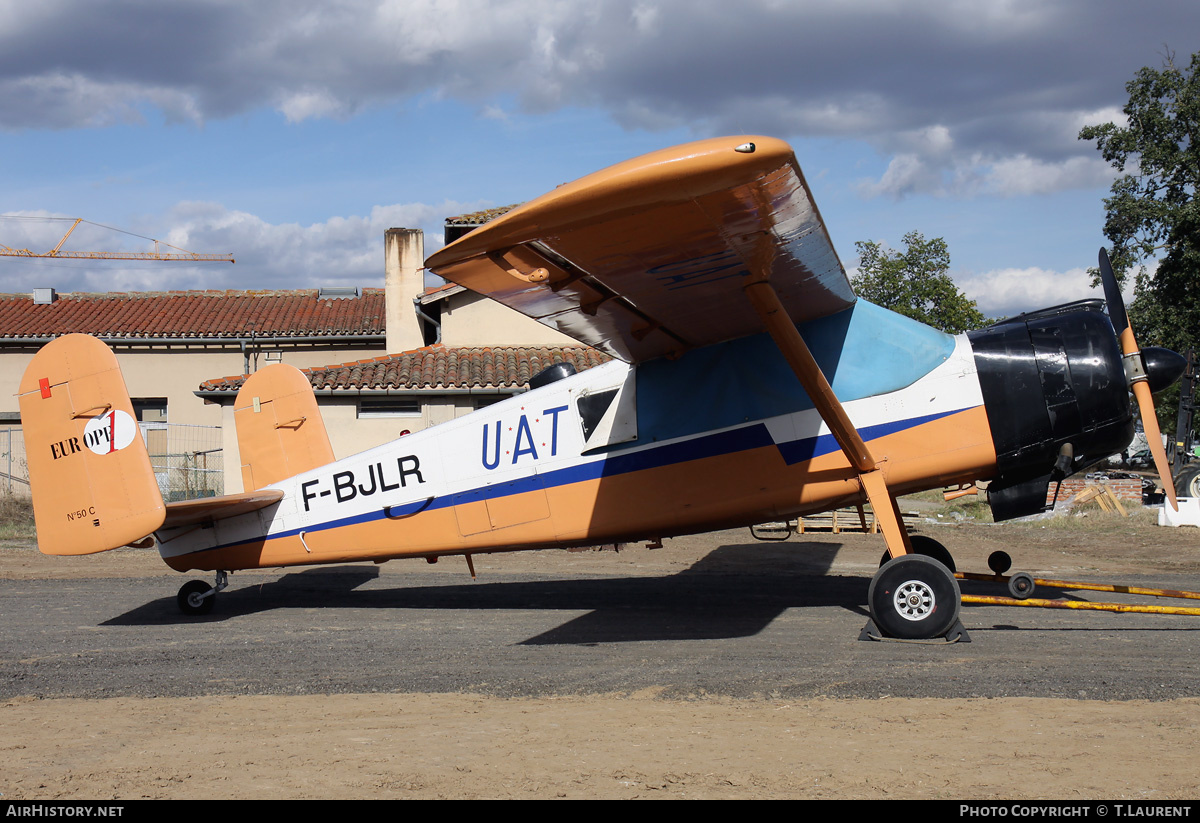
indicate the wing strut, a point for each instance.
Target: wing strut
{"x":783,"y":331}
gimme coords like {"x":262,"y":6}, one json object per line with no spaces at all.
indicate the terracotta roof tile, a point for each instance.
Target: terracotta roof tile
{"x":439,"y":367}
{"x":187,"y":314}
{"x":478,"y":218}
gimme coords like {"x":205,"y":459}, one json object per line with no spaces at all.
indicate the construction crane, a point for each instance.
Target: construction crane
{"x":58,"y":254}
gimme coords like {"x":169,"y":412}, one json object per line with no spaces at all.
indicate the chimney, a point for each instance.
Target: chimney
{"x":404,"y":281}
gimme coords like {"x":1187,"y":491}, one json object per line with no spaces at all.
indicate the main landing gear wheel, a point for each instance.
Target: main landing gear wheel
{"x":928,"y":547}
{"x":196,"y":597}
{"x":914,"y":597}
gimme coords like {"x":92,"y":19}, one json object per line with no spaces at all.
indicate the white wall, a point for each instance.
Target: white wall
{"x":471,"y":320}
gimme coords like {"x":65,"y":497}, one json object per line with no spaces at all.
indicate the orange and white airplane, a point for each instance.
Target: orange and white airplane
{"x":749,"y":385}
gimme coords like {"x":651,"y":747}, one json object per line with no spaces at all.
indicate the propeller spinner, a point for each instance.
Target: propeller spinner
{"x":1147,"y":370}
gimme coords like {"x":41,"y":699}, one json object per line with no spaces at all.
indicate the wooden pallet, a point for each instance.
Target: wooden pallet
{"x":854,"y":519}
{"x":1103,"y":495}
{"x":859,"y":519}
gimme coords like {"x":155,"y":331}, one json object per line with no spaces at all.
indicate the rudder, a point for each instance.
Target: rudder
{"x":280,"y":430}
{"x":89,"y":472}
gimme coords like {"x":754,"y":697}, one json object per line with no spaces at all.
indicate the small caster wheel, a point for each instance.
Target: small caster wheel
{"x":196,"y":597}
{"x":1021,"y":586}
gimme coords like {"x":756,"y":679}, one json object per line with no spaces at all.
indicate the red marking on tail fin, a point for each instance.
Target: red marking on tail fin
{"x":44,"y":385}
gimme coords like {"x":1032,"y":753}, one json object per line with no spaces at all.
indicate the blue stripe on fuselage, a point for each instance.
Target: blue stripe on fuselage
{"x":797,"y":451}
{"x":746,"y":438}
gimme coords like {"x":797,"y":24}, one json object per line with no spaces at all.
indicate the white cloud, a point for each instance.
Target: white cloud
{"x":975,"y":174}
{"x":342,"y":251}
{"x":966,"y":97}
{"x":906,"y":174}
{"x":61,"y":100}
{"x":306,"y":104}
{"x":491,"y":112}
{"x":1006,"y":292}
{"x":646,"y":18}
{"x":1021,"y":174}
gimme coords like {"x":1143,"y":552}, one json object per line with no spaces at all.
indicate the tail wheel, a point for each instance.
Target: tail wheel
{"x":914,"y":597}
{"x":196,"y":597}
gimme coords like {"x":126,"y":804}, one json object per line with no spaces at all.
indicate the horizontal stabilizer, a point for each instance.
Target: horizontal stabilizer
{"x":279,"y":427}
{"x":89,"y":472}
{"x":209,"y":509}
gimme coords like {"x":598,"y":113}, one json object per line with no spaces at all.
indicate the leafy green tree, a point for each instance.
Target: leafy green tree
{"x":1152,"y":213}
{"x":915,"y":283}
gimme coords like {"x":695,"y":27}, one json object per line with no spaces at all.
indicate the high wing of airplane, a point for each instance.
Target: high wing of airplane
{"x":750,"y":385}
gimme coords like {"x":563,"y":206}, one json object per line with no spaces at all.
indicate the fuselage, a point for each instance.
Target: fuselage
{"x":722,"y":436}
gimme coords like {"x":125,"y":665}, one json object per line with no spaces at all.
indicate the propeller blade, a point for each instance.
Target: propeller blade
{"x":1139,"y":386}
{"x":1141,"y":390}
{"x":1112,"y":295}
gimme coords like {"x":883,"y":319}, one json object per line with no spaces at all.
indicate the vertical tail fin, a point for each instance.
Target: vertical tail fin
{"x":89,"y":472}
{"x":280,"y":431}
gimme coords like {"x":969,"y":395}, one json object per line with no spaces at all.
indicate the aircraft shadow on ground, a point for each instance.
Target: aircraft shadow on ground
{"x":734,"y":591}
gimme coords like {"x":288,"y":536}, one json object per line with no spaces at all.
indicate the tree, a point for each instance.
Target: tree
{"x":914,"y":283}
{"x":1153,"y":213}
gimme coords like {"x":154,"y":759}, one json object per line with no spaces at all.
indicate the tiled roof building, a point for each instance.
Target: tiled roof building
{"x":186,"y":315}
{"x":170,"y":343}
{"x":478,"y":218}
{"x":437,"y":368}
{"x":167,"y":343}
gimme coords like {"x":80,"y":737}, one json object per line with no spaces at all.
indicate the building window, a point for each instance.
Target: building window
{"x":389,"y":407}
{"x":151,"y":414}
{"x":150,"y":409}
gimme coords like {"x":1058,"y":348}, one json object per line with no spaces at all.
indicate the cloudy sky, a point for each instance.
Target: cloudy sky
{"x":292,"y":134}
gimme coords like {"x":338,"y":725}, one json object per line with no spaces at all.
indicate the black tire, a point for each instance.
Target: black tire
{"x":1187,"y":482}
{"x":1021,"y":585}
{"x":914,"y":597}
{"x":930,"y":548}
{"x":191,"y":601}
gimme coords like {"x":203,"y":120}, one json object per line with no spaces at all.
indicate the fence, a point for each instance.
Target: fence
{"x":14,"y":472}
{"x":187,"y":460}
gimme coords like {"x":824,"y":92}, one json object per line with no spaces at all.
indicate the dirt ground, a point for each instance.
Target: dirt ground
{"x":624,"y":745}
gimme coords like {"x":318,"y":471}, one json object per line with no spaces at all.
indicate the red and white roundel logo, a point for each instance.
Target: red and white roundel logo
{"x":110,"y":432}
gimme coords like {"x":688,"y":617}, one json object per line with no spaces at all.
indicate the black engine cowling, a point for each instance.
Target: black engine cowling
{"x":1050,"y":378}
